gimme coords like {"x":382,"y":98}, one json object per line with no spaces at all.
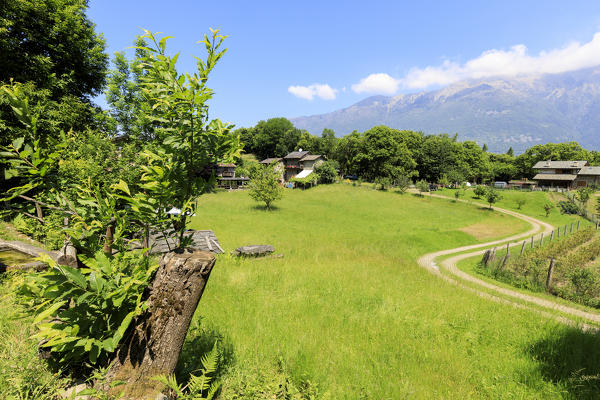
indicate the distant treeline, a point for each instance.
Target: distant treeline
{"x":383,"y":152}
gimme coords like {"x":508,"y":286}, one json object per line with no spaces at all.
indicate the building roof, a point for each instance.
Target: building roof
{"x":590,"y":171}
{"x":560,"y":164}
{"x":311,"y":157}
{"x":226,"y":165}
{"x":270,"y":160}
{"x":554,"y":177}
{"x":304,"y":173}
{"x":296,"y":154}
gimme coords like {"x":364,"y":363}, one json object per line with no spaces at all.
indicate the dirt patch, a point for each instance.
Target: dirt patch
{"x":483,"y":231}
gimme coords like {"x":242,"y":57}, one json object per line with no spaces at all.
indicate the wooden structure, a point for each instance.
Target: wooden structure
{"x":226,"y":178}
{"x":566,"y":174}
{"x":296,"y":163}
{"x":279,"y":166}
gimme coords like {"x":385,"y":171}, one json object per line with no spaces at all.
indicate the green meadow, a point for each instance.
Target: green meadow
{"x":348,"y":309}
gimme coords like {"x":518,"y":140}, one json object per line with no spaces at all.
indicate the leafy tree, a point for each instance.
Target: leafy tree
{"x":326,"y":172}
{"x":444,"y":181}
{"x":51,"y":47}
{"x":492,"y":196}
{"x":457,"y":193}
{"x":267,"y":135}
{"x":382,"y":153}
{"x":422,"y":186}
{"x":125,"y":98}
{"x":288,"y":142}
{"x":479,"y":191}
{"x":402,"y":183}
{"x":510,"y":152}
{"x":327,"y":142}
{"x":548,"y":207}
{"x":264,"y":185}
{"x":484,"y":148}
{"x":583,"y":195}
{"x":520,"y":202}
{"x":382,"y":183}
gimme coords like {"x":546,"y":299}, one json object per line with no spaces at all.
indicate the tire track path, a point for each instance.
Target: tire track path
{"x":428,"y":261}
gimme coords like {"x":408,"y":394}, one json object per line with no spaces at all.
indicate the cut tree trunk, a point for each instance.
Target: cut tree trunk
{"x":68,"y":256}
{"x":153,"y":346}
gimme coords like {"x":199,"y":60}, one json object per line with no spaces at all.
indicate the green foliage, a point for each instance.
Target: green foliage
{"x":598,"y":206}
{"x":82,"y":314}
{"x":23,"y":375}
{"x":326,"y":172}
{"x":520,"y":201}
{"x":402,"y":183}
{"x":492,"y":196}
{"x":199,"y":387}
{"x":382,"y":182}
{"x":569,"y":207}
{"x":52,"y":48}
{"x":264,"y":185}
{"x":422,"y":186}
{"x":479,"y":191}
{"x":458,"y":193}
{"x":583,"y":195}
{"x":548,"y":207}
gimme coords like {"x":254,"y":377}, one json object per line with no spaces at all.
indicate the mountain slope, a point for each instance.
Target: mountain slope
{"x":502,"y":112}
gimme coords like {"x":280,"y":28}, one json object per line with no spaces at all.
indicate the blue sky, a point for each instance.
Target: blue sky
{"x":292,"y":58}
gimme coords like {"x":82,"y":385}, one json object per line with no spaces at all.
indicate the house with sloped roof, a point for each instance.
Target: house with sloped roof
{"x":297,"y":164}
{"x":277,"y":165}
{"x":566,"y":174}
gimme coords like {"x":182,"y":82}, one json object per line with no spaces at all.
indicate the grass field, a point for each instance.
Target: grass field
{"x":349,"y":309}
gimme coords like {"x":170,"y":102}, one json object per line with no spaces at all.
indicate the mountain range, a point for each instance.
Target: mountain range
{"x":502,"y":112}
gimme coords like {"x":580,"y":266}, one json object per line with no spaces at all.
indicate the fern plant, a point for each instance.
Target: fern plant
{"x":199,"y":387}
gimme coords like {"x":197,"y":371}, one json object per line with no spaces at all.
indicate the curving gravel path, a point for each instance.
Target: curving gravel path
{"x":450,"y":264}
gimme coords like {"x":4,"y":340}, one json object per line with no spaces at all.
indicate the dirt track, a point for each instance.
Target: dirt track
{"x":428,"y":261}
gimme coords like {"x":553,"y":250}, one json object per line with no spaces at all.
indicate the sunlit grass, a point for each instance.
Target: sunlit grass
{"x":348,"y":307}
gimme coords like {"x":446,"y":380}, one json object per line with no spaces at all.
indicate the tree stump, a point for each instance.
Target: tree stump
{"x":154,"y":343}
{"x":68,"y":256}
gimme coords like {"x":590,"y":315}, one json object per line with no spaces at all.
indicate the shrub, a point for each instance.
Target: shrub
{"x":402,"y":183}
{"x":492,"y":196}
{"x":422,"y":186}
{"x":520,"y":202}
{"x":479,"y":191}
{"x":568,"y":207}
{"x":326,"y":172}
{"x":82,"y":314}
{"x":382,"y":183}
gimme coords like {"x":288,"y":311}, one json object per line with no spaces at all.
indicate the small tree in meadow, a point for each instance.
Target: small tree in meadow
{"x":479,"y":191}
{"x":492,"y":196}
{"x":583,"y":195}
{"x":520,"y":202}
{"x":457,"y":194}
{"x":264,"y":185}
{"x":444,"y":181}
{"x":548,"y":207}
{"x":402,"y":183}
{"x":422,"y":186}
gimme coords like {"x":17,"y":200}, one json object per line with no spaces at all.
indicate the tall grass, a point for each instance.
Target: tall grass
{"x":348,"y":308}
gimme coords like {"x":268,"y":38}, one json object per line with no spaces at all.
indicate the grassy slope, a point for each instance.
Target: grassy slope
{"x":534,"y":205}
{"x":349,"y":308}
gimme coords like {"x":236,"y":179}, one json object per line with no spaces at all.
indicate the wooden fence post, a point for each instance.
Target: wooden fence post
{"x":578,"y":222}
{"x":552,"y":236}
{"x":542,"y":239}
{"x":523,"y":247}
{"x":550,"y":270}
{"x":558,"y":232}
{"x":532,"y":242}
{"x":506,"y":257}
{"x":571,"y":231}
{"x":597,"y":223}
{"x":565,"y":230}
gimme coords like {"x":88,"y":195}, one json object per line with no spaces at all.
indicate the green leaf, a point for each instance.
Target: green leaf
{"x":49,"y":311}
{"x":122,"y":186}
{"x":18,"y":142}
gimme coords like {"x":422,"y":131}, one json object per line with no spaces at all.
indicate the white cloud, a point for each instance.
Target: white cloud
{"x":377,"y":83}
{"x":511,"y":62}
{"x":324,"y":92}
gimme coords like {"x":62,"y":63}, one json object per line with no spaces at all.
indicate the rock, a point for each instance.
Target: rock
{"x":257,"y":250}
{"x":161,"y":396}
{"x":71,"y":393}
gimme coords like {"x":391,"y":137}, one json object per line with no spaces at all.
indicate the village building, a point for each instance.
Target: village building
{"x":566,"y":174}
{"x":297,"y":164}
{"x":226,"y":178}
